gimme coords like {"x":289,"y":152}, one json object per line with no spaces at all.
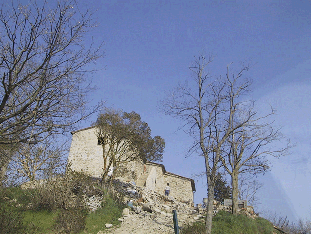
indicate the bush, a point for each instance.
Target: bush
{"x":64,"y":192}
{"x":71,"y":220}
{"x":43,"y":199}
{"x":11,"y":220}
{"x":195,"y":228}
{"x":59,"y":205}
{"x":22,"y":197}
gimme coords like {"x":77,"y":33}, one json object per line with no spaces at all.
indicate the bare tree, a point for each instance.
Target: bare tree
{"x":283,"y":224}
{"x":248,"y":188}
{"x":40,"y":161}
{"x":43,"y":56}
{"x":6,"y":153}
{"x":124,"y":138}
{"x":249,"y":144}
{"x":216,"y":116}
{"x":207,"y":113}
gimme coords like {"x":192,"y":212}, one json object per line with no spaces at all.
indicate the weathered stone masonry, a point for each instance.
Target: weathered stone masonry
{"x":86,"y":155}
{"x":181,"y":187}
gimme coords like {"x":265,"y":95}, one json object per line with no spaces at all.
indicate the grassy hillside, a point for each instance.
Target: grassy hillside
{"x":224,"y":222}
{"x":59,"y":207}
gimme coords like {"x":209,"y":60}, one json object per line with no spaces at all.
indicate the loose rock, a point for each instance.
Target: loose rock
{"x":108,"y":225}
{"x":126,"y":211}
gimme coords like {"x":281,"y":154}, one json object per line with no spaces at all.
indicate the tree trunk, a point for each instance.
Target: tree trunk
{"x":210,"y":201}
{"x":106,"y":170}
{"x":105,"y":163}
{"x":3,"y":169}
{"x":209,"y":211}
{"x":235,"y":192}
{"x":104,"y":156}
{"x":4,"y":163}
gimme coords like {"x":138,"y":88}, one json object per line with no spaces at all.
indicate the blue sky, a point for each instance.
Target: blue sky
{"x":149,"y":46}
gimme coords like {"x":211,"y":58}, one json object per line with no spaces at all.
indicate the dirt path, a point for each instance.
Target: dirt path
{"x":145,"y":223}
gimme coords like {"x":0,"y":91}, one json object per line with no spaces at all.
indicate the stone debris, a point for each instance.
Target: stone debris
{"x":137,"y":209}
{"x":93,"y":202}
{"x":144,"y":223}
{"x":126,"y":212}
{"x":147,"y":207}
{"x":152,"y":213}
{"x":108,"y":225}
{"x":197,"y":217}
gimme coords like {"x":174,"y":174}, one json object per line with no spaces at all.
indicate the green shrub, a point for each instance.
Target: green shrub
{"x":43,"y":199}
{"x":64,"y":192}
{"x":57,"y":206}
{"x":195,"y":228}
{"x":11,"y":219}
{"x":112,"y":209}
{"x":70,"y":220}
{"x":22,"y":197}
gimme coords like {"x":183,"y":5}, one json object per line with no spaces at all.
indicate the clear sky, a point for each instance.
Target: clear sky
{"x":149,"y":45}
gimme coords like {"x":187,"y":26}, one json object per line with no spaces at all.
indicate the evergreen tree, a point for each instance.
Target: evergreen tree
{"x":222,"y":190}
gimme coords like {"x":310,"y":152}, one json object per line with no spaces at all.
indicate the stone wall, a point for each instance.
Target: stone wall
{"x":156,"y":178}
{"x":180,"y":187}
{"x":130,"y":171}
{"x":85,"y":154}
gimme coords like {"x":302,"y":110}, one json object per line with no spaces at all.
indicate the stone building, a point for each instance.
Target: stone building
{"x":86,"y":155}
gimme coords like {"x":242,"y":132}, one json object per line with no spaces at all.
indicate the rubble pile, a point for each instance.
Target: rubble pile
{"x":247,"y":210}
{"x":150,"y":212}
{"x":143,"y":199}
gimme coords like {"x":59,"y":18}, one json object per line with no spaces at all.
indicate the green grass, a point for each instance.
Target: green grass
{"x":21,"y":196}
{"x":225,"y":222}
{"x":18,"y":217}
{"x":40,"y":221}
{"x":110,"y":213}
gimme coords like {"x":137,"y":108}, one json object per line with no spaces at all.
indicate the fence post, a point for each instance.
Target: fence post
{"x":175,"y":219}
